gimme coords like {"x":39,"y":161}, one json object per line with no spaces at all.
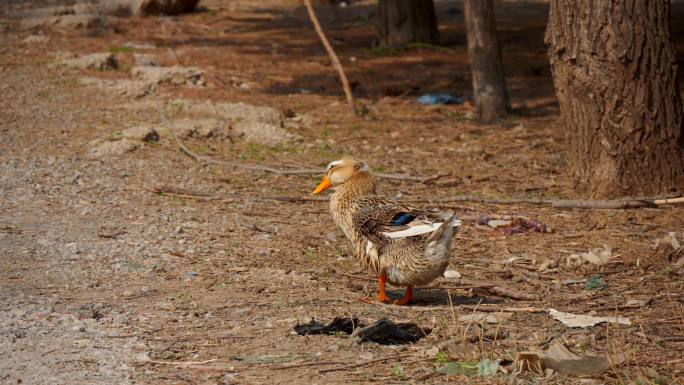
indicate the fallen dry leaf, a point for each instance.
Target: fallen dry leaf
{"x":560,"y":359}
{"x":583,"y":321}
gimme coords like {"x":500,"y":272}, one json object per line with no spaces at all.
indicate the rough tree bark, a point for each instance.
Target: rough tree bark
{"x":408,"y":21}
{"x":489,"y":83}
{"x":614,"y":70}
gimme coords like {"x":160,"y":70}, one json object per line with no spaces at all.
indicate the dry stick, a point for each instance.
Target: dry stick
{"x":669,"y":201}
{"x":333,"y":56}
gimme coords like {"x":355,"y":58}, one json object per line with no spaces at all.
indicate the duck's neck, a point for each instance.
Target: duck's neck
{"x":345,"y":201}
{"x":360,"y":184}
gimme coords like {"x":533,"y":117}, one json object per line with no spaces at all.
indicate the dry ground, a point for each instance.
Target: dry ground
{"x":105,"y":282}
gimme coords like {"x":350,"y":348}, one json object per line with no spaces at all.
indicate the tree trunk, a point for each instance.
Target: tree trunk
{"x":614,"y":70}
{"x":489,"y":83}
{"x":408,"y":21}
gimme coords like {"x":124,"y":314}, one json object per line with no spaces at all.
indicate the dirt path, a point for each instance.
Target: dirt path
{"x":106,"y":282}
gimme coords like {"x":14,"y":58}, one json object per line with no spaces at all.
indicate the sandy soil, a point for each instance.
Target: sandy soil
{"x":106,"y":282}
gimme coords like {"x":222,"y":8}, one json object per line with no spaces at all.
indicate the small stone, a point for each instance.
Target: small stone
{"x":452,"y":274}
{"x":366,"y":356}
{"x":128,"y":293}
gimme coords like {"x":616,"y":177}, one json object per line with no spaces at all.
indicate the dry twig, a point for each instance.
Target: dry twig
{"x":333,"y":56}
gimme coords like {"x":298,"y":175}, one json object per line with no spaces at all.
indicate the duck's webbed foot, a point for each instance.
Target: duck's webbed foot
{"x":407,"y":298}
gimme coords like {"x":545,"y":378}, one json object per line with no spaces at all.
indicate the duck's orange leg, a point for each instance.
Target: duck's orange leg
{"x":407,"y":298}
{"x":382,"y":296}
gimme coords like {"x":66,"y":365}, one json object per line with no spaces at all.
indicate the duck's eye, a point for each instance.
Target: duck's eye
{"x":333,"y":164}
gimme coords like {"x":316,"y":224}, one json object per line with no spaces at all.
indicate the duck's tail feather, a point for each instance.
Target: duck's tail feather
{"x":438,"y":245}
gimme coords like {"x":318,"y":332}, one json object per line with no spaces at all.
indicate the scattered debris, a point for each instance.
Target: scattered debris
{"x":583,"y":321}
{"x":142,"y":133}
{"x":483,"y":368}
{"x":175,"y":75}
{"x":337,"y":325}
{"x":514,"y":224}
{"x":116,"y":147}
{"x":200,"y":128}
{"x":124,"y":87}
{"x":560,"y":359}
{"x":573,"y":281}
{"x":491,"y":318}
{"x":386,"y":332}
{"x":99,"y":61}
{"x":441,"y":98}
{"x":251,"y":123}
{"x":596,"y":282}
{"x":598,"y":256}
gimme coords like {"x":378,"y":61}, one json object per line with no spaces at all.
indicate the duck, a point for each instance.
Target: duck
{"x":401,"y":244}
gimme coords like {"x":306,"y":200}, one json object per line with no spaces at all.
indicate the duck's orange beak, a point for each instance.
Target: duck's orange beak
{"x":322,"y":186}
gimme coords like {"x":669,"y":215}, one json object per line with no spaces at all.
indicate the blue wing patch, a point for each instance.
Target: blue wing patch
{"x":402,"y":218}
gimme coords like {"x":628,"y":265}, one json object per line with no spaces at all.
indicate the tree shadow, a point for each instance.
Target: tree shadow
{"x":286,"y":35}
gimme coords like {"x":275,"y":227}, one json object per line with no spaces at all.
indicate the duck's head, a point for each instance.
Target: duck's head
{"x":339,"y":172}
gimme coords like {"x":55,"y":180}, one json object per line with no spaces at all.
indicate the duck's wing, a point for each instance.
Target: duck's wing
{"x":382,"y":220}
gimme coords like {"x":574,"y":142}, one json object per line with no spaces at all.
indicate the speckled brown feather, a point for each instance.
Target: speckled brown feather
{"x":363,"y":217}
